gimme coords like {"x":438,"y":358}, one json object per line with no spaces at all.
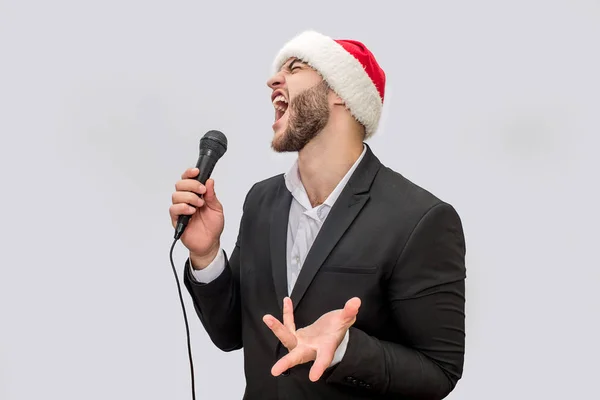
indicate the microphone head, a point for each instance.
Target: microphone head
{"x":215,"y":141}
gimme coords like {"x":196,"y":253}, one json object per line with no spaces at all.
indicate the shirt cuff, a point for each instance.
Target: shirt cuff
{"x":341,"y":350}
{"x":212,"y":271}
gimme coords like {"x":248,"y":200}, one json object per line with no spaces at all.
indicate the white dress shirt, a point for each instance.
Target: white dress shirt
{"x":304,"y":224}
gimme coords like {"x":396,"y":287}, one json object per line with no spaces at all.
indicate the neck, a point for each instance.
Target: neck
{"x":324,"y":161}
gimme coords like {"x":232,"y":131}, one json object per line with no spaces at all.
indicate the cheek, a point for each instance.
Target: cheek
{"x":291,"y":97}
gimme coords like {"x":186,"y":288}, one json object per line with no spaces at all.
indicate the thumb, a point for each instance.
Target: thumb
{"x":210,"y":197}
{"x":351,"y":309}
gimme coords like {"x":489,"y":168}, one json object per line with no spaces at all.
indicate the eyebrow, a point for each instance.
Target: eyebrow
{"x":295,"y":60}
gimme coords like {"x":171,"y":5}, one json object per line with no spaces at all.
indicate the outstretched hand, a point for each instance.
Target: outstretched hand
{"x":317,"y":342}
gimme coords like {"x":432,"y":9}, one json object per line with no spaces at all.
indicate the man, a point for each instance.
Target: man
{"x":347,"y":280}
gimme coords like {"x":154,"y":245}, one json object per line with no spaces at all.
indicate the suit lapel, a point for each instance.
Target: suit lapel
{"x":347,"y":207}
{"x":278,"y":242}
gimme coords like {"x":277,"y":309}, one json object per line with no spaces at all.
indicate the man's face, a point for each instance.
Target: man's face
{"x":300,"y":98}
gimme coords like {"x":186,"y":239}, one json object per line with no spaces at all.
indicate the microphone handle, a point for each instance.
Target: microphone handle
{"x":206,"y":163}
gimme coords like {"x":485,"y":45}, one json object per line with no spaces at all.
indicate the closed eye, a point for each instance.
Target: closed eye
{"x":295,"y":64}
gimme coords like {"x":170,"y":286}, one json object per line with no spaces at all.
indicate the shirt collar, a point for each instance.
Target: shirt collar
{"x":296,"y":188}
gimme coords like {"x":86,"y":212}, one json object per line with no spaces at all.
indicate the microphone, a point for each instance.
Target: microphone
{"x":212,"y":147}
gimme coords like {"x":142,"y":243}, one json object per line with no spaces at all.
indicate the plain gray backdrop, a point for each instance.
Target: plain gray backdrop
{"x":492,"y":106}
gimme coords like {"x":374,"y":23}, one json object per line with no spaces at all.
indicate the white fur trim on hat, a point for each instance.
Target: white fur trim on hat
{"x":341,"y":70}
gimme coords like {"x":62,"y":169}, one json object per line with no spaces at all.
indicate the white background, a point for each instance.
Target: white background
{"x":492,"y":106}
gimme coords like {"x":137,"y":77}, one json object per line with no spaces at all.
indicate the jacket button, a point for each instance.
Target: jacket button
{"x":286,"y":373}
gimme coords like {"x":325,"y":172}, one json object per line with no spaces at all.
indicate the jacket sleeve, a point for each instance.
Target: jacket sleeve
{"x":218,"y":303}
{"x":426,"y":293}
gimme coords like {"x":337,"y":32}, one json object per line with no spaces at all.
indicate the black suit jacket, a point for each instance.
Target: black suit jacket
{"x":387,"y":241}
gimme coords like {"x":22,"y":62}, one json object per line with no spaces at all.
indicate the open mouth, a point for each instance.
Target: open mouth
{"x":281,"y":104}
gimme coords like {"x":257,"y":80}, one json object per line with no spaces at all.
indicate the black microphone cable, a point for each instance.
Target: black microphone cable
{"x":187,"y":327}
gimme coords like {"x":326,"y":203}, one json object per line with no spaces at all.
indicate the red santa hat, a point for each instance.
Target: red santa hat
{"x":348,"y":67}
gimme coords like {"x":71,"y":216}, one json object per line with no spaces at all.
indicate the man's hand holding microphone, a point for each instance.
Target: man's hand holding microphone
{"x":203,"y":232}
{"x":196,"y":213}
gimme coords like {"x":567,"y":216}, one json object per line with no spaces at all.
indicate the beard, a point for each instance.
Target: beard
{"x":308,"y":115}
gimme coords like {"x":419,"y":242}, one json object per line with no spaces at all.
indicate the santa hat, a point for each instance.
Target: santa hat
{"x":348,"y":67}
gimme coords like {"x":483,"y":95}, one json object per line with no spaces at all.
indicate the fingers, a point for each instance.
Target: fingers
{"x":190,"y":185}
{"x":285,"y":336}
{"x":190,"y":173}
{"x":188,"y":191}
{"x":288,"y":314}
{"x":322,"y":362}
{"x":187,"y":197}
{"x":299,"y":355}
{"x":351,"y":309}
{"x":180,"y":209}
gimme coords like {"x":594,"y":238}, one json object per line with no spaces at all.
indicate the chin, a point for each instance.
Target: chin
{"x":279,"y":131}
{"x":277,"y":142}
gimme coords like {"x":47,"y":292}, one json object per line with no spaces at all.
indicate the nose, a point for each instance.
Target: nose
{"x":276,"y":81}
